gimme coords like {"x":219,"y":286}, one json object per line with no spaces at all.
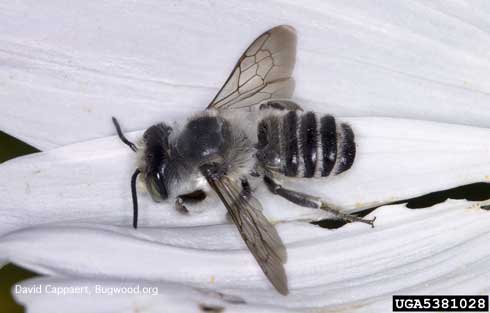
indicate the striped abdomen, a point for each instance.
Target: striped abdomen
{"x":305,"y":145}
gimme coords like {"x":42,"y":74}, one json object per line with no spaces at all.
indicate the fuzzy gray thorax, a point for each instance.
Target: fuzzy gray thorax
{"x":205,"y":138}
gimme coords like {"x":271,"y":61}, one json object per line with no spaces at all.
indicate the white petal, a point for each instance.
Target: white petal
{"x":90,"y":182}
{"x":439,"y":250}
{"x":103,"y":295}
{"x":66,"y":74}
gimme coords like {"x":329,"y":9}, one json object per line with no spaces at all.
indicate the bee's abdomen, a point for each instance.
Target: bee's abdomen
{"x":306,"y":145}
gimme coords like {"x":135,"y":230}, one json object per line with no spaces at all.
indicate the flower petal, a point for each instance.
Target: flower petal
{"x":438,"y":250}
{"x":89,"y":182}
{"x":103,"y":295}
{"x":67,"y":74}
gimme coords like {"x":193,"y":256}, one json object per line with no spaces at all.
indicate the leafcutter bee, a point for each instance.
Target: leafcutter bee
{"x":250,"y":128}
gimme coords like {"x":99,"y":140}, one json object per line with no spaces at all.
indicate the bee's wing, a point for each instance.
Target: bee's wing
{"x":262,"y":73}
{"x":258,"y":233}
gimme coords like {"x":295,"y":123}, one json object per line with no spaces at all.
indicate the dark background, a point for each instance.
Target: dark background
{"x":11,"y":274}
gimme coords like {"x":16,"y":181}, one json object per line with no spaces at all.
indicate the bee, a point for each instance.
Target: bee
{"x":250,"y":129}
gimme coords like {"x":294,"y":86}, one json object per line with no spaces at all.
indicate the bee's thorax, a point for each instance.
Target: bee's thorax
{"x":206,"y":138}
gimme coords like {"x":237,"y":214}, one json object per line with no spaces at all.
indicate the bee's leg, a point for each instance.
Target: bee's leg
{"x":192,"y":197}
{"x":308,"y":201}
{"x":280,"y":105}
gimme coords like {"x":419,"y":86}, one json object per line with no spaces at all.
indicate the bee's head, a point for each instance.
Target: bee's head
{"x":154,"y":160}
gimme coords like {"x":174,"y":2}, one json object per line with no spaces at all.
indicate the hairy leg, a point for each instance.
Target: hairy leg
{"x":192,"y":197}
{"x":308,"y":201}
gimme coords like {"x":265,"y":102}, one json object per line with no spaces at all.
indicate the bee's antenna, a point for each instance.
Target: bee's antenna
{"x":135,"y":197}
{"x":121,"y":135}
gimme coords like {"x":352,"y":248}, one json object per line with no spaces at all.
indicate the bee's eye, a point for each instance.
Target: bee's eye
{"x":156,"y":186}
{"x":156,"y":158}
{"x":162,"y":190}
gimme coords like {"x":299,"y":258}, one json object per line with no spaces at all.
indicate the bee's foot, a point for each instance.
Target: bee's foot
{"x":371,"y":221}
{"x":180,"y":207}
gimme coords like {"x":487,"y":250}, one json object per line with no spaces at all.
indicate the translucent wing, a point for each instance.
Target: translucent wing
{"x":262,"y":73}
{"x":258,"y":233}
